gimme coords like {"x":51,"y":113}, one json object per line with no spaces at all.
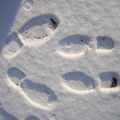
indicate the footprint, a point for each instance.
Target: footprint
{"x":104,"y":44}
{"x":28,"y":5}
{"x":32,"y":117}
{"x":38,"y":30}
{"x":4,"y":115}
{"x":78,"y":82}
{"x":73,"y":46}
{"x":12,"y":46}
{"x":109,"y":80}
{"x":39,"y":95}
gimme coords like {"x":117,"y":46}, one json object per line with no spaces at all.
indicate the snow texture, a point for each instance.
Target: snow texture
{"x":59,"y":60}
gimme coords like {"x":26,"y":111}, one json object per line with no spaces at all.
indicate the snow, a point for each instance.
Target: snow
{"x":59,"y":60}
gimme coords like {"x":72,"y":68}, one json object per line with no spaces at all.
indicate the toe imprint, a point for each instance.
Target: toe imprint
{"x":104,"y":44}
{"x":109,"y":80}
{"x":15,"y":76}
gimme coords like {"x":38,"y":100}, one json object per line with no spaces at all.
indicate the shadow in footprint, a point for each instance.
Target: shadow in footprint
{"x":32,"y":117}
{"x":76,"y":40}
{"x":6,"y":115}
{"x":109,"y":79}
{"x":40,"y":88}
{"x":15,"y":72}
{"x":105,"y":43}
{"x":15,"y":75}
{"x":12,"y":46}
{"x":79,"y":80}
{"x":73,"y":46}
{"x":38,"y":30}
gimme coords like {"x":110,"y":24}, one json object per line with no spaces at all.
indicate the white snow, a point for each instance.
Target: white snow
{"x":59,"y":60}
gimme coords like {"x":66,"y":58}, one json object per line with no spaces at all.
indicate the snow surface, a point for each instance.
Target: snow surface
{"x":59,"y":60}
